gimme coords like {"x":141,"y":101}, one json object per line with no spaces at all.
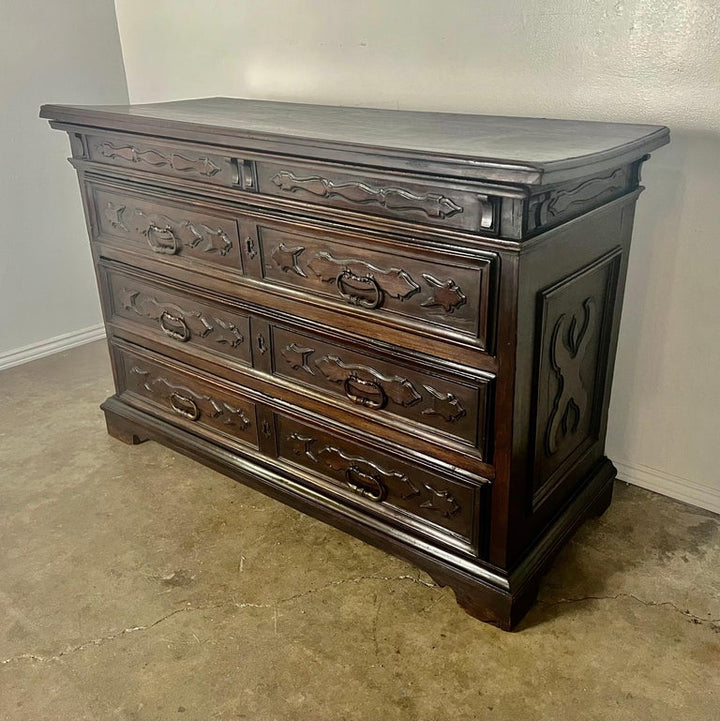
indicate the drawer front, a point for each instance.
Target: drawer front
{"x":166,"y":230}
{"x":409,"y":199}
{"x":449,"y":293}
{"x":185,"y":399}
{"x":156,"y":156}
{"x":385,"y":389}
{"x":386,"y":483}
{"x":178,"y":317}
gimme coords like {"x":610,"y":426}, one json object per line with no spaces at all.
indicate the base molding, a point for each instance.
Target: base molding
{"x":43,"y":348}
{"x":485,"y":592}
{"x":668,"y":484}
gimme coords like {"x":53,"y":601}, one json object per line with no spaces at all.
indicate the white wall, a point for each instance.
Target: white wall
{"x":655,"y":61}
{"x":50,"y":51}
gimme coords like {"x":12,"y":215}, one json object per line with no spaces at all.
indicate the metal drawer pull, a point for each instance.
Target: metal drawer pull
{"x":365,"y":393}
{"x":351,"y":287}
{"x":174,"y":326}
{"x":162,"y":240}
{"x":365,"y":484}
{"x":184,"y":406}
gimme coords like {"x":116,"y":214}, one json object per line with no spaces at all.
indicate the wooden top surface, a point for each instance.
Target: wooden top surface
{"x":533,"y":144}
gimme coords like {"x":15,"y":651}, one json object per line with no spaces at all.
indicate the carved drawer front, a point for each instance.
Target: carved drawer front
{"x":178,"y":318}
{"x":409,"y":199}
{"x":385,"y":483}
{"x":385,"y":389}
{"x":184,"y":399}
{"x":398,"y":286}
{"x":166,"y":230}
{"x":156,"y":156}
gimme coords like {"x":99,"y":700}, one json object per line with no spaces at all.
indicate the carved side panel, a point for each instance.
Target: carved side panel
{"x":575,"y":316}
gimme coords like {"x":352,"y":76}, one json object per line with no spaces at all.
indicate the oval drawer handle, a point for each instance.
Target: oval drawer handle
{"x":345,"y":289}
{"x":162,"y":240}
{"x":184,"y":406}
{"x":365,"y":484}
{"x":365,"y":393}
{"x":180,"y":331}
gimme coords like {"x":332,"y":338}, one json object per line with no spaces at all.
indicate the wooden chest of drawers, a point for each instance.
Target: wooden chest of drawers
{"x":401,"y":323}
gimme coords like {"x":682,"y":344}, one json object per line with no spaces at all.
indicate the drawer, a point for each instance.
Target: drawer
{"x":413,"y":199}
{"x":156,"y":156}
{"x":167,"y":229}
{"x":177,"y":317}
{"x":387,"y":484}
{"x":185,"y":399}
{"x":384,"y":280}
{"x":387,"y":389}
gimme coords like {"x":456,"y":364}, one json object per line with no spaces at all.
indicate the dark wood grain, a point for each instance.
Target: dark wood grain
{"x":402,"y":323}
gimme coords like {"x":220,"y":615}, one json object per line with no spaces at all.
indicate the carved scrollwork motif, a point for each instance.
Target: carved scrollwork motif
{"x":131,"y":154}
{"x":395,"y":282}
{"x":188,"y":403}
{"x":178,"y":323}
{"x":567,"y":350}
{"x":399,"y":390}
{"x":589,"y":192}
{"x":432,"y":205}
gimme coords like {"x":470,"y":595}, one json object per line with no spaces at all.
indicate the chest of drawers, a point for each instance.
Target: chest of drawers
{"x":401,"y":323}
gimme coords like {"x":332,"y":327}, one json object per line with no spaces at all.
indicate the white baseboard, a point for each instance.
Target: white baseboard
{"x":31,"y":352}
{"x":668,"y":484}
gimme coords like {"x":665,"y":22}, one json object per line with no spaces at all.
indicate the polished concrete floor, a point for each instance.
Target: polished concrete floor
{"x":136,"y":584}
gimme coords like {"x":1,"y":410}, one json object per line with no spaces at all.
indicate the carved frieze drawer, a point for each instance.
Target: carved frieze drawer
{"x":411,"y":199}
{"x":170,"y":231}
{"x":185,"y":399}
{"x":178,"y":318}
{"x":387,"y":389}
{"x":384,"y":483}
{"x":412,"y":287}
{"x":156,"y":156}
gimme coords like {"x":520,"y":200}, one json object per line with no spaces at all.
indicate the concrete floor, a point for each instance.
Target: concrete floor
{"x":137,"y":584}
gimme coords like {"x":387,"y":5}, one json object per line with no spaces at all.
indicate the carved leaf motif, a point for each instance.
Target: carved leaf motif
{"x":441,"y":501}
{"x":444,"y":293}
{"x":297,"y":357}
{"x":567,"y":351}
{"x":396,"y":283}
{"x":227,"y":333}
{"x":300,"y":445}
{"x":113,"y":214}
{"x":399,"y":390}
{"x":287,"y":258}
{"x":445,"y":405}
{"x":433,"y":205}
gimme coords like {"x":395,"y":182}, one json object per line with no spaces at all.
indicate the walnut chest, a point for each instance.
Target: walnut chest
{"x":401,"y":323}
